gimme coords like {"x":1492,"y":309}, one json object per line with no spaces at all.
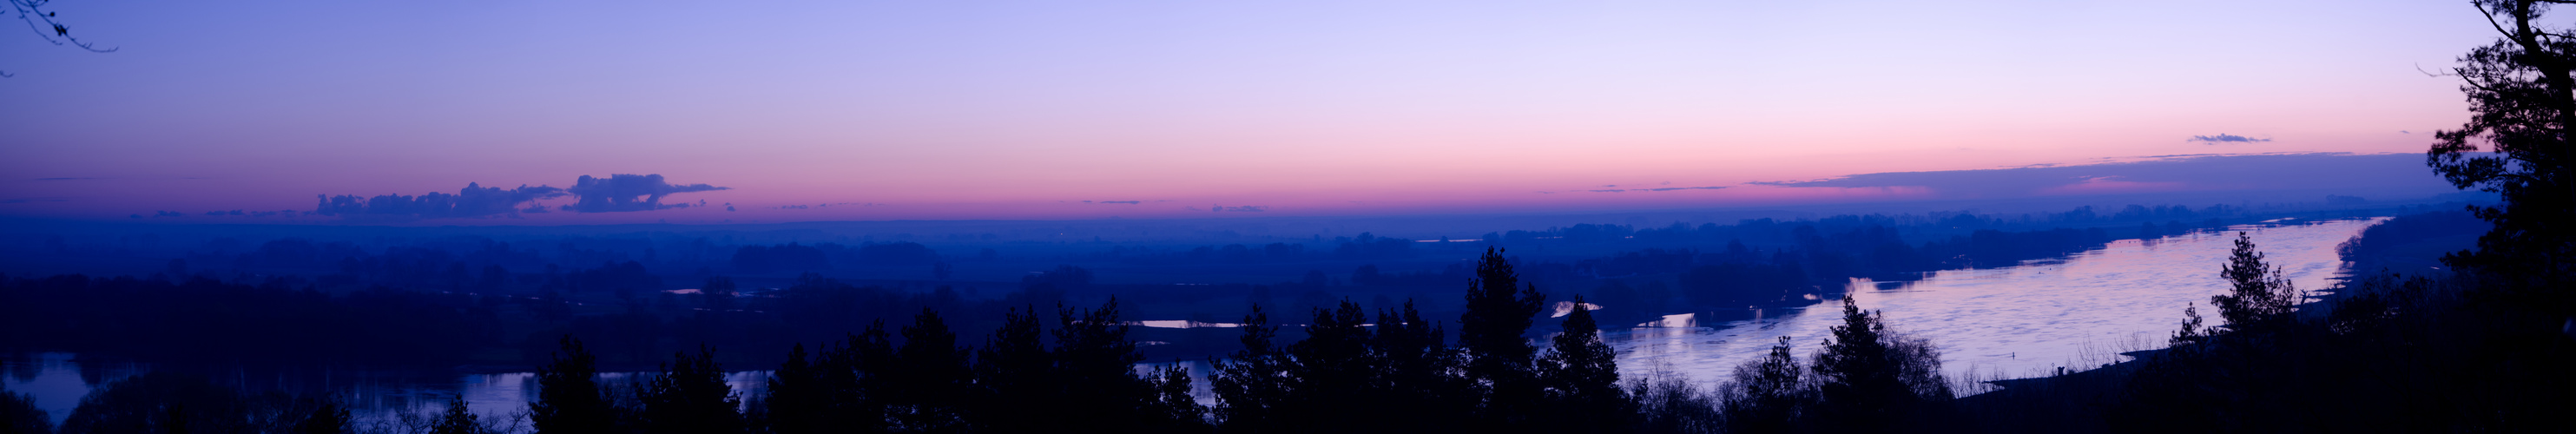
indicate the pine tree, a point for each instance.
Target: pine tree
{"x":1095,"y":378}
{"x":1178,"y":410}
{"x":798,"y":401}
{"x":930,"y":377}
{"x":1498,"y":357}
{"x":18,"y":414}
{"x":1419,"y":372}
{"x":690,"y":396}
{"x":1868,"y":380}
{"x":2257,"y":292}
{"x":1252,"y":383}
{"x":1330,"y":373}
{"x":1014,"y":377}
{"x":1583,"y":377}
{"x":568,"y":397}
{"x":328,"y":417}
{"x":457,"y":419}
{"x":2520,"y":143}
{"x":1767,"y":394}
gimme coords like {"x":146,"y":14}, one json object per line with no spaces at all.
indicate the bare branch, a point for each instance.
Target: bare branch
{"x":32,"y":12}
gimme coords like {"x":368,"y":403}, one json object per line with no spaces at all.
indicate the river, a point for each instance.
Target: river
{"x":2013,"y":322}
{"x":2077,"y":312}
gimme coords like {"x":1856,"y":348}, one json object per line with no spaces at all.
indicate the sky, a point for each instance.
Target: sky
{"x":1015,"y":110}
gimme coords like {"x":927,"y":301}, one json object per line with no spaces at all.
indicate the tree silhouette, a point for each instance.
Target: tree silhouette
{"x":1251,"y":385}
{"x":569,"y":400}
{"x":1869,"y":380}
{"x":327,"y":417}
{"x":1096,"y":388}
{"x":718,"y":293}
{"x":930,"y":377}
{"x":18,"y":414}
{"x":1419,"y":373}
{"x":690,"y":396}
{"x":1499,"y":311}
{"x":1330,"y":374}
{"x":1767,"y":394}
{"x":795,"y":399}
{"x":1582,"y":375}
{"x":1177,"y":410}
{"x":160,"y":401}
{"x":2519,"y":142}
{"x":1013,"y":375}
{"x":2257,"y":292}
{"x":457,"y":419}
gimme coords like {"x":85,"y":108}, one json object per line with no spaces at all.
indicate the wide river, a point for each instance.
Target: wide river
{"x":2012,"y":322}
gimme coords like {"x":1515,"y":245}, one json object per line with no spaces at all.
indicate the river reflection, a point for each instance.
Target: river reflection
{"x":57,"y":381}
{"x":2005,"y":322}
{"x":2011,"y":322}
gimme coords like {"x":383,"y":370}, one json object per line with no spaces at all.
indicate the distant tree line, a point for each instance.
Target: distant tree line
{"x":1396,"y":372}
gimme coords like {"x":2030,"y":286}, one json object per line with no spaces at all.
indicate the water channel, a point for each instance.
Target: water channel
{"x":2078,"y":312}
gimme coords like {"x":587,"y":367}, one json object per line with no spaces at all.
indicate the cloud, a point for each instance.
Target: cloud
{"x":2225,"y":138}
{"x":1245,"y":208}
{"x":1119,"y":202}
{"x":615,"y":193}
{"x":62,"y":179}
{"x":627,"y":192}
{"x":2198,"y":172}
{"x":473,"y":201}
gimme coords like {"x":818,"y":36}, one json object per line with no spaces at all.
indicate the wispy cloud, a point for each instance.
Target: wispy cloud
{"x":628,"y":192}
{"x":2225,"y":138}
{"x":1116,"y":202}
{"x":615,"y":193}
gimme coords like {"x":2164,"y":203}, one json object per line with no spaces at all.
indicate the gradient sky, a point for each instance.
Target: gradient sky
{"x":1024,"y":109}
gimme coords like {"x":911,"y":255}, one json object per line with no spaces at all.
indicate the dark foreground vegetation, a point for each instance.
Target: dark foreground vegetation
{"x":1078,"y":372}
{"x":447,"y":303}
{"x":2481,"y":344}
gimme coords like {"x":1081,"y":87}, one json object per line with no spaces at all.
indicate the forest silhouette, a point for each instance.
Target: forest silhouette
{"x":2480,"y":345}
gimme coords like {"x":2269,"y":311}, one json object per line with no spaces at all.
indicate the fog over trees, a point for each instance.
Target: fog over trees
{"x":1044,"y":326}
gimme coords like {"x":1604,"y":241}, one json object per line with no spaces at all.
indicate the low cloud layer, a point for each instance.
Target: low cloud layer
{"x":473,"y":201}
{"x":628,"y":192}
{"x":615,"y":193}
{"x":2313,"y":171}
{"x":2225,"y":138}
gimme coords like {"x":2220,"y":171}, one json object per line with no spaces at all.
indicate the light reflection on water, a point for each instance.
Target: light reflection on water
{"x":57,"y":381}
{"x":2012,"y":322}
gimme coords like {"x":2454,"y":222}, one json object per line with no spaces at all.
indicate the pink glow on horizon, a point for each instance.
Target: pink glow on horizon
{"x":1306,"y":108}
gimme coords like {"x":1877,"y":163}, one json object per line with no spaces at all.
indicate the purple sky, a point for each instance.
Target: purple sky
{"x":897,"y":110}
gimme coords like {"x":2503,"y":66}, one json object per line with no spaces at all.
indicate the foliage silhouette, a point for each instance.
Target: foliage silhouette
{"x":457,"y":419}
{"x":569,"y":399}
{"x":2519,"y":142}
{"x":2258,"y":293}
{"x":1770,"y":394}
{"x":689,"y":396}
{"x":1869,"y":379}
{"x":1498,"y":358}
{"x":1582,"y":375}
{"x":19,"y":415}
